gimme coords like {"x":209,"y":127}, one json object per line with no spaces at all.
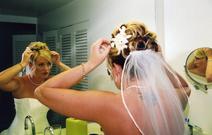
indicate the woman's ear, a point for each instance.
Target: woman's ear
{"x":117,"y":72}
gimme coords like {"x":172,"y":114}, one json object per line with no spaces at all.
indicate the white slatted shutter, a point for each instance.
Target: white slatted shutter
{"x":51,"y":39}
{"x":72,"y":46}
{"x":81,"y":49}
{"x":67,"y":49}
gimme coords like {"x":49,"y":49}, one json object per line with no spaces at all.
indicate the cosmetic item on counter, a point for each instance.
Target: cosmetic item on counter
{"x":76,"y":127}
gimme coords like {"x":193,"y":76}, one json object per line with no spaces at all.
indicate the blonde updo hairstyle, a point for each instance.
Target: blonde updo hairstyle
{"x":199,"y":53}
{"x":141,"y":39}
{"x":40,"y":49}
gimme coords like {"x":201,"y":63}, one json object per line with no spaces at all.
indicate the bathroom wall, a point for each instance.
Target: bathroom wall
{"x":103,"y":17}
{"x":18,"y":19}
{"x":187,"y":25}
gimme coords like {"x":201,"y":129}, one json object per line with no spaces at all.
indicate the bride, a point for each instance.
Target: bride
{"x":152,"y":97}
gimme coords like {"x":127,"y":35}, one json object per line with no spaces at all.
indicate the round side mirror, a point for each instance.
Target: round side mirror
{"x":198,"y":68}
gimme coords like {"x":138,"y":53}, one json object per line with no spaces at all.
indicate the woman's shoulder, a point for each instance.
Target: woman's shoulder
{"x":20,"y":79}
{"x":22,"y":85}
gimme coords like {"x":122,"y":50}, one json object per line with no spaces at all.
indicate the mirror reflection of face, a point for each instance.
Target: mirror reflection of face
{"x":42,"y":67}
{"x":198,"y":66}
{"x":200,"y":62}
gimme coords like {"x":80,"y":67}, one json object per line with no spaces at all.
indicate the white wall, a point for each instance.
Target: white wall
{"x":117,"y":11}
{"x":188,"y":26}
{"x":103,"y":17}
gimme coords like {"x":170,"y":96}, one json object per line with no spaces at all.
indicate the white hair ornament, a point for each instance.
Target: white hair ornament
{"x":120,"y":40}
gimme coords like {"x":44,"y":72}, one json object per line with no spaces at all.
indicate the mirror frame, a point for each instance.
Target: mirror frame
{"x":197,"y":84}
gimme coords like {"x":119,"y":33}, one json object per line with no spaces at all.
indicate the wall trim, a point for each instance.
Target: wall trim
{"x":18,"y":19}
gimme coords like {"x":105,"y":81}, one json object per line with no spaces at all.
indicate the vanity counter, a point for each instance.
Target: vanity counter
{"x":93,"y":128}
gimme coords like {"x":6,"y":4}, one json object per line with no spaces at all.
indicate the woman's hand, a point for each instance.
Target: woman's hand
{"x":55,"y":57}
{"x":99,"y":51}
{"x":56,"y":60}
{"x":26,"y":56}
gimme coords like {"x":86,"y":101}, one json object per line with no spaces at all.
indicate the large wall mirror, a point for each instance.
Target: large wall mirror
{"x":198,"y":68}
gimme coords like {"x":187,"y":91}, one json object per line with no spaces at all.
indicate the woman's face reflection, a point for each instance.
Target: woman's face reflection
{"x":200,"y":62}
{"x":198,"y":66}
{"x":42,"y":67}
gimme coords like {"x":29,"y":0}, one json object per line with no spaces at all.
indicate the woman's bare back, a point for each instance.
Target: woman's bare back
{"x":117,"y":121}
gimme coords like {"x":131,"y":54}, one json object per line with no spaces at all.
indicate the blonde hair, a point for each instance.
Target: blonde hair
{"x":141,"y":39}
{"x":199,"y":53}
{"x":40,"y":49}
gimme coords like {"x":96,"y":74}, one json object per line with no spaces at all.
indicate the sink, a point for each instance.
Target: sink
{"x":63,"y":132}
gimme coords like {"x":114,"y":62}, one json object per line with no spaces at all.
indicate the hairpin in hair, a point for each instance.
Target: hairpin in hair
{"x":37,"y":48}
{"x":120,"y":40}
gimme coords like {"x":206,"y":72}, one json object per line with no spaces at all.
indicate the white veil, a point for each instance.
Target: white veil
{"x":149,"y":94}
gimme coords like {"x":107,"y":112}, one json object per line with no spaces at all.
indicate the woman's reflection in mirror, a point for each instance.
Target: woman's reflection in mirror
{"x":201,"y":63}
{"x":39,"y":58}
